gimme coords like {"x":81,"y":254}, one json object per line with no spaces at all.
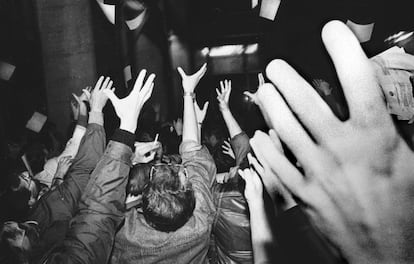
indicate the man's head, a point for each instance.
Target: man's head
{"x":168,"y":200}
{"x":16,"y":241}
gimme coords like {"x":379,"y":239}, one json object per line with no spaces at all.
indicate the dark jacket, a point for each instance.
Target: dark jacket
{"x":101,"y":209}
{"x":231,"y":229}
{"x":54,"y":211}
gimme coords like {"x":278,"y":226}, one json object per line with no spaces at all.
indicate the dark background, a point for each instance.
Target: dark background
{"x":293,"y":36}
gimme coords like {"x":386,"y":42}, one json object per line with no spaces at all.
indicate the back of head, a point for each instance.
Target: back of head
{"x":168,"y":201}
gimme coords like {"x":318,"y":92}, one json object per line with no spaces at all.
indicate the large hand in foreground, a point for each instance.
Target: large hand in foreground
{"x":190,"y":82}
{"x":128,"y":108}
{"x":358,"y":183}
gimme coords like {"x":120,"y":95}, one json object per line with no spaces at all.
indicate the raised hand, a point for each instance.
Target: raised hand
{"x":75,"y":109}
{"x":322,"y":86}
{"x":223,"y":95}
{"x":227,"y":149}
{"x":254,"y":187}
{"x":358,"y":183}
{"x":86,"y":94}
{"x":200,"y":113}
{"x":190,"y":82}
{"x":252,"y":96}
{"x":145,"y":152}
{"x":98,"y":98}
{"x":63,"y":166}
{"x":270,"y":145}
{"x":128,"y":108}
{"x":80,"y":106}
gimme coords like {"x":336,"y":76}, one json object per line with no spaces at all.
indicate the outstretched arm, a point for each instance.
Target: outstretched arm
{"x":189,"y":82}
{"x":200,"y":115}
{"x":92,"y":231}
{"x":261,"y":232}
{"x":223,"y":96}
{"x":74,"y":174}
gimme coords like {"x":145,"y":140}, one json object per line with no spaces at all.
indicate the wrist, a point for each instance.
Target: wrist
{"x":189,"y":94}
{"x":256,"y":204}
{"x":225,"y":109}
{"x":128,"y":126}
{"x":96,"y":109}
{"x":58,"y":175}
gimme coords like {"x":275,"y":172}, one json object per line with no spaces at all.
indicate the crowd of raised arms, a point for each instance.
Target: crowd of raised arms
{"x":313,"y":189}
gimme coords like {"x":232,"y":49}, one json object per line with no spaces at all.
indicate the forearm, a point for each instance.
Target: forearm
{"x":231,"y":123}
{"x":261,"y":232}
{"x":90,"y":152}
{"x":199,"y":125}
{"x":73,"y":144}
{"x":92,"y":146}
{"x":190,"y":129}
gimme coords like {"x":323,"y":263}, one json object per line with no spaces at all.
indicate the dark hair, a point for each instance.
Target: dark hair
{"x":167,"y":204}
{"x":138,"y":178}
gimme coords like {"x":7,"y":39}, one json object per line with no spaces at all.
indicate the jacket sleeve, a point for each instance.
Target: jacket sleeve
{"x":198,"y":158}
{"x":61,"y":202}
{"x":240,"y":145}
{"x":91,"y":150}
{"x":101,"y":209}
{"x":71,"y":149}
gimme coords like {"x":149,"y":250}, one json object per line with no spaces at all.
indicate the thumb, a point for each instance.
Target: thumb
{"x":205,"y":106}
{"x":252,"y":96}
{"x":241,"y":173}
{"x":76,"y":98}
{"x":181,"y":72}
{"x":261,"y":79}
{"x":202,"y":70}
{"x":111,"y":95}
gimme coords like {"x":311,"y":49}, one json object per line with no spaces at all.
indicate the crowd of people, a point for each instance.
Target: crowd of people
{"x":175,"y":194}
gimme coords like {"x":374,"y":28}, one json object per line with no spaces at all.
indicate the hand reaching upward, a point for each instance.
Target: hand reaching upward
{"x":190,"y":82}
{"x":129,"y":108}
{"x":200,"y":113}
{"x":98,"y":98}
{"x":227,"y":149}
{"x":79,"y":107}
{"x":223,"y":95}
